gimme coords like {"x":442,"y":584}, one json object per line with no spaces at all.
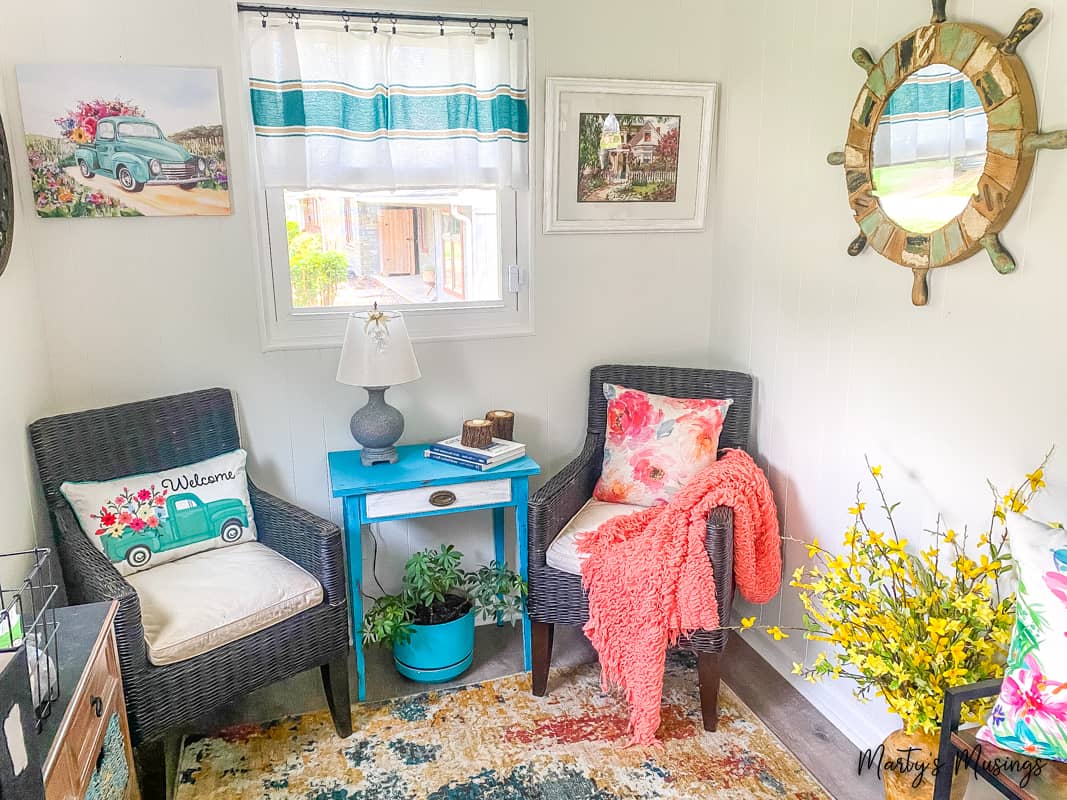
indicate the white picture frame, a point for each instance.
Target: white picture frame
{"x":575,"y":106}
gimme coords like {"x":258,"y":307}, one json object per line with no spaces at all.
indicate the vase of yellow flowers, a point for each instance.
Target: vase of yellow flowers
{"x":907,"y":624}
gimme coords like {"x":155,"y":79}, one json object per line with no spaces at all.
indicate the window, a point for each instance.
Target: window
{"x":105,"y":130}
{"x":354,"y":249}
{"x":448,"y":242}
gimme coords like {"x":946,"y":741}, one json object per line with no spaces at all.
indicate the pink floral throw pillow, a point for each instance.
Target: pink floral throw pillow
{"x":655,"y":445}
{"x":1030,"y":716}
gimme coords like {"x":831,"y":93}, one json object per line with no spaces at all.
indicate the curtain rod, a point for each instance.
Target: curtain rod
{"x":296,"y":12}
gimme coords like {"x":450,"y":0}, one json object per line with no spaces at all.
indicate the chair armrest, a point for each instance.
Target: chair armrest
{"x":720,"y":547}
{"x":560,"y":499}
{"x":91,"y":578}
{"x":955,"y":697}
{"x":305,"y":539}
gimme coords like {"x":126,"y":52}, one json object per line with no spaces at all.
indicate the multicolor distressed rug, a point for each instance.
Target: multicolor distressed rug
{"x":496,"y":741}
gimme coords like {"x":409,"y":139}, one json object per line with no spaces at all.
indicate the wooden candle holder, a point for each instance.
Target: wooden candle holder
{"x":503,"y":424}
{"x":477,"y":433}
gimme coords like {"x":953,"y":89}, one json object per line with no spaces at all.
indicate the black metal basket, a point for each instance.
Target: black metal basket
{"x":28,"y":621}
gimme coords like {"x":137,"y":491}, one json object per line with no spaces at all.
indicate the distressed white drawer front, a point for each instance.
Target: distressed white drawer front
{"x":437,"y":498}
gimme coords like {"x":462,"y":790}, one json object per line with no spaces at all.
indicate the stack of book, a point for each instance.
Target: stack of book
{"x":452,"y":451}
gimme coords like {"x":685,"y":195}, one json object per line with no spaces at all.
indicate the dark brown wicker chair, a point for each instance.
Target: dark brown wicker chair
{"x":557,"y":597}
{"x":162,"y":434}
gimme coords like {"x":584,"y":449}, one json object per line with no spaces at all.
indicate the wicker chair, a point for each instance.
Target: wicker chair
{"x":557,"y":597}
{"x":162,"y":434}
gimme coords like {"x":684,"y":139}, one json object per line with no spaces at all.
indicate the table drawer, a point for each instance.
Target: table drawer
{"x":437,"y":498}
{"x":90,"y":710}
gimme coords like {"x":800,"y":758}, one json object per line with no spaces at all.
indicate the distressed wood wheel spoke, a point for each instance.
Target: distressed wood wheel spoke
{"x":920,"y":289}
{"x":1056,"y":140}
{"x":857,"y":245}
{"x":863,"y":58}
{"x":998,"y":254}
{"x":1026,"y":25}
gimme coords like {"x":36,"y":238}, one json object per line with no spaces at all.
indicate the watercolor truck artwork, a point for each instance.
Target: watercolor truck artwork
{"x":134,"y":152}
{"x":187,"y":520}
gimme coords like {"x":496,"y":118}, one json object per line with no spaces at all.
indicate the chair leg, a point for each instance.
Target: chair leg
{"x":335,"y":684}
{"x":542,"y":634}
{"x":150,"y":760}
{"x":708,"y":671}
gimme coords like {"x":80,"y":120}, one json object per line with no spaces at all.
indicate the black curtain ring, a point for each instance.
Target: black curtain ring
{"x":441,"y":25}
{"x":374,"y":20}
{"x":474,"y":27}
{"x":393,"y":20}
{"x":346,"y":18}
{"x":492,"y":30}
{"x":289,"y":16}
{"x":297,"y":15}
{"x":511,"y":31}
{"x":264,"y":14}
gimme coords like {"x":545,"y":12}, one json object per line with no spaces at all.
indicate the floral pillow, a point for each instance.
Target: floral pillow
{"x":141,"y":521}
{"x":655,"y":444}
{"x":1030,"y":716}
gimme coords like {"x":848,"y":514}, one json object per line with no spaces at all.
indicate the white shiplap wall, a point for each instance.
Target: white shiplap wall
{"x":973,"y":385}
{"x":25,"y":392}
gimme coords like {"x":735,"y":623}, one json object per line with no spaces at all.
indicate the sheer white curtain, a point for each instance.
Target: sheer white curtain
{"x":336,"y":109}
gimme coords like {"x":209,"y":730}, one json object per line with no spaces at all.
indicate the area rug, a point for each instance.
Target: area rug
{"x":496,"y":741}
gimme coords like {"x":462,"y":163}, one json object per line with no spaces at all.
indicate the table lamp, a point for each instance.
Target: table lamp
{"x":377,"y":354}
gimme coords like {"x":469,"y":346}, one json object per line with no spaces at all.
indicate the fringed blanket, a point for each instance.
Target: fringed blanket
{"x":650,"y":581}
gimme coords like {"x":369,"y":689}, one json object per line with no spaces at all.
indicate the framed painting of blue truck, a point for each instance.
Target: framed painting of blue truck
{"x":124,"y":140}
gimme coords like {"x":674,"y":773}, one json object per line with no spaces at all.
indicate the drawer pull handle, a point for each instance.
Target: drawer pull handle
{"x":98,"y":705}
{"x":442,"y":499}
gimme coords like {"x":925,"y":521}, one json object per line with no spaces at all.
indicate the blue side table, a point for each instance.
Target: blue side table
{"x":416,"y":486}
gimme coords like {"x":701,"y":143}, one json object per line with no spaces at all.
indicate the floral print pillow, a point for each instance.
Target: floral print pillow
{"x":655,"y":445}
{"x":1030,"y":716}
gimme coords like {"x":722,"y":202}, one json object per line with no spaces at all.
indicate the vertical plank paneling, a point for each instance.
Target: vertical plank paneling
{"x":844,"y":365}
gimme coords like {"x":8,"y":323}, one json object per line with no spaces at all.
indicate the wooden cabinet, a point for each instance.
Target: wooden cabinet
{"x":91,"y":747}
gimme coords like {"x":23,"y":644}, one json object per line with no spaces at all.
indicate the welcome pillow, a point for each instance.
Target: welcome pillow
{"x":1030,"y":715}
{"x":655,"y":444}
{"x":142,"y":521}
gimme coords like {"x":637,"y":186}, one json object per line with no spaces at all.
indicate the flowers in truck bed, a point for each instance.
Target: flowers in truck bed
{"x":130,"y":511}
{"x":79,"y":123}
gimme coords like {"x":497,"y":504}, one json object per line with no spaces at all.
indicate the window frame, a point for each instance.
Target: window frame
{"x":283,"y":329}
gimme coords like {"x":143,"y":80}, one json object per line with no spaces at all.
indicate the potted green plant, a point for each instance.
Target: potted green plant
{"x":430,"y":623}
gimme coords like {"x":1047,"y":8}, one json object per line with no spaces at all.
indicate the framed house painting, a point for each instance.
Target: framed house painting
{"x":627,"y":156}
{"x":124,"y":140}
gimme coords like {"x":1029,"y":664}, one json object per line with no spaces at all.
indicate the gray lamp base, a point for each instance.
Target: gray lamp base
{"x":377,"y":427}
{"x":369,"y":456}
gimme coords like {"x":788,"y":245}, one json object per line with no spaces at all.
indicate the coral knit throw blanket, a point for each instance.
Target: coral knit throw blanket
{"x":650,"y":581}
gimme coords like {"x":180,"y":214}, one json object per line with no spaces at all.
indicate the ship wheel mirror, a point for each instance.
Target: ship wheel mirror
{"x":941,"y":144}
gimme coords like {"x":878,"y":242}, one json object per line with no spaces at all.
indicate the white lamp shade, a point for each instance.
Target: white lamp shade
{"x":377,"y":351}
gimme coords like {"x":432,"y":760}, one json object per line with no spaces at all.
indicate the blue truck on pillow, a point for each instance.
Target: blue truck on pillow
{"x":187,"y":520}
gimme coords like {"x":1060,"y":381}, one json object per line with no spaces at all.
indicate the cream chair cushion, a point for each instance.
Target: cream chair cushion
{"x":563,"y":552}
{"x":210,"y":599}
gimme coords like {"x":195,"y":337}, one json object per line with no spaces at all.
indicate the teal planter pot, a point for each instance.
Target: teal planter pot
{"x":437,"y":653}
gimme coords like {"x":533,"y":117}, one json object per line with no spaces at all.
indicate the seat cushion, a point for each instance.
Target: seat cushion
{"x":563,"y":552}
{"x":207,"y":600}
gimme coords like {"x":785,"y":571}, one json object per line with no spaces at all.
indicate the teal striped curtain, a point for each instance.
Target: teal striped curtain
{"x":336,"y":109}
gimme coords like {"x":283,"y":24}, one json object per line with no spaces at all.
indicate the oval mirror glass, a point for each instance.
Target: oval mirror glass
{"x":929,"y":149}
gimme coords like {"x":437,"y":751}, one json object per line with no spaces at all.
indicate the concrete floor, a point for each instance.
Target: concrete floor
{"x":498,"y":651}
